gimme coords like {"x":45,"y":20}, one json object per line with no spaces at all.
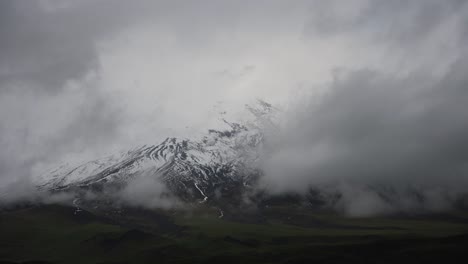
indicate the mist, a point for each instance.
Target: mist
{"x":372,"y":135}
{"x":149,"y":193}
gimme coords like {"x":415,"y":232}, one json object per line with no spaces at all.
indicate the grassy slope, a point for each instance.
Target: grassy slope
{"x":54,"y":234}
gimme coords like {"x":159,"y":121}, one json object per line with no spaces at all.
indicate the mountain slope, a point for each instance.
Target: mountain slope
{"x":222,"y":163}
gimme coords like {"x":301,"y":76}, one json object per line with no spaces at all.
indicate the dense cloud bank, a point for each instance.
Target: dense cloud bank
{"x":376,"y":134}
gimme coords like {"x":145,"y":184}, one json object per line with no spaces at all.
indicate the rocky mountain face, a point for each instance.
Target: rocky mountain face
{"x":220,"y":165}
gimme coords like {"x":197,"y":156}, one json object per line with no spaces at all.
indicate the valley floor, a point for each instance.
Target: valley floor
{"x":57,"y":234}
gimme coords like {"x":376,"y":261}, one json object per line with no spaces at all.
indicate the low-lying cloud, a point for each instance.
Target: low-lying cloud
{"x":148,"y":192}
{"x":372,"y":130}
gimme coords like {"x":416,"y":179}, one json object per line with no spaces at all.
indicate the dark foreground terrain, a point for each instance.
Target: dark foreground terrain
{"x":57,"y":234}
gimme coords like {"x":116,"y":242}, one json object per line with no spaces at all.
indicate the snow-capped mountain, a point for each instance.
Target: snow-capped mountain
{"x":217,"y":164}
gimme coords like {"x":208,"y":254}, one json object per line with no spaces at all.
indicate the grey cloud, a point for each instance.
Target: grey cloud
{"x":372,"y":129}
{"x":401,"y":24}
{"x":40,"y":129}
{"x":148,"y":192}
{"x":49,"y":47}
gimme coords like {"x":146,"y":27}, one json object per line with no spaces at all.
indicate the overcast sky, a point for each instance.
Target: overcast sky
{"x":82,"y":78}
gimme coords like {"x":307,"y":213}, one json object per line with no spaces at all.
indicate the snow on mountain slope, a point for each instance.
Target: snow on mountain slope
{"x":222,"y":161}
